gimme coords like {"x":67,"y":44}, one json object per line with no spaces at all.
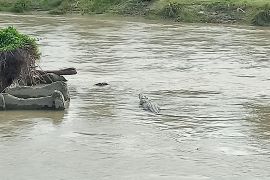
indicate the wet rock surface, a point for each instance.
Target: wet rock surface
{"x":50,"y":96}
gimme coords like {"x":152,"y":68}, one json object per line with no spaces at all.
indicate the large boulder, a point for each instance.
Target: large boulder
{"x":40,"y":90}
{"x":52,"y":96}
{"x":55,"y":101}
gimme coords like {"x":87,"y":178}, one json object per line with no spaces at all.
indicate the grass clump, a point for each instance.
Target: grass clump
{"x":133,"y":7}
{"x":11,"y":39}
{"x":49,"y":4}
{"x":21,"y":6}
{"x":5,"y":5}
{"x":97,"y":6}
{"x":262,"y":18}
{"x":18,"y":54}
{"x":64,"y":7}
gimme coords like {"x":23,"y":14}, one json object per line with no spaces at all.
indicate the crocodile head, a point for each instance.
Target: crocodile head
{"x":143,"y":98}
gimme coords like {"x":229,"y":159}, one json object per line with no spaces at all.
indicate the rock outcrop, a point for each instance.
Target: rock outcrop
{"x":54,"y":96}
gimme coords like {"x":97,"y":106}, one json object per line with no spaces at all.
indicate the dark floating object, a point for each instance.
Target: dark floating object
{"x":148,"y":105}
{"x":102,"y":84}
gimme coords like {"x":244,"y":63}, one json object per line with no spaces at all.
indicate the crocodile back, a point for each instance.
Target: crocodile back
{"x":148,"y":105}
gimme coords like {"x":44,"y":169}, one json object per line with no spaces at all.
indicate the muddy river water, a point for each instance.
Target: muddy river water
{"x":211,"y":81}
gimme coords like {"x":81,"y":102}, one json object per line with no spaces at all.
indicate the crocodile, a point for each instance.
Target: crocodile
{"x":148,"y":105}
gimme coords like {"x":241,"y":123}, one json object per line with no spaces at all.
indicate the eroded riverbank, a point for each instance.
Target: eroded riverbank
{"x":255,"y":12}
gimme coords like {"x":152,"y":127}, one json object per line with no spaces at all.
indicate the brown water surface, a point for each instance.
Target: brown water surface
{"x":211,"y":81}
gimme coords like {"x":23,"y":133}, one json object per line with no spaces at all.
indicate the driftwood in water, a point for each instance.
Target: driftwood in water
{"x":67,"y":71}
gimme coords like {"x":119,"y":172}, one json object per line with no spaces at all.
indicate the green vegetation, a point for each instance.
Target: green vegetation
{"x":255,"y":12}
{"x":11,"y":39}
{"x":262,"y":18}
{"x":18,"y":54}
{"x":21,"y":6}
{"x":215,"y":11}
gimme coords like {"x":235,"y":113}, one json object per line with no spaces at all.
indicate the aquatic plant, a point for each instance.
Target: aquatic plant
{"x":18,"y":54}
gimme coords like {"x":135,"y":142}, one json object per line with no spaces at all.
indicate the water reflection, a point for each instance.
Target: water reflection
{"x":55,"y":117}
{"x":20,"y":123}
{"x":98,"y":102}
